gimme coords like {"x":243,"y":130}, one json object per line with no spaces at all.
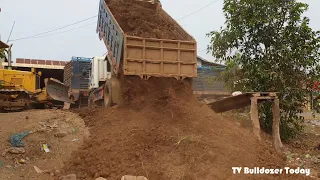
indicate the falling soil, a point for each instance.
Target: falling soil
{"x":147,"y":20}
{"x":164,"y":133}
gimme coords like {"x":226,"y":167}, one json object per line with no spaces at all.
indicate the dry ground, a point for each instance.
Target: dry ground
{"x":301,"y":151}
{"x":165,"y":134}
{"x":56,"y":122}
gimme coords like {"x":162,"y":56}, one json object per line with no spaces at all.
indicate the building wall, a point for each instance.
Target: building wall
{"x":199,"y":62}
{"x":204,"y":83}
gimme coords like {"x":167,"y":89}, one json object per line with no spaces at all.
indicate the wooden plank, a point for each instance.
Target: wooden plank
{"x":275,"y":126}
{"x":255,"y":117}
{"x":3,"y":45}
{"x":260,"y":92}
{"x":212,"y":92}
{"x":237,"y":102}
{"x":266,"y":97}
{"x":230,"y":103}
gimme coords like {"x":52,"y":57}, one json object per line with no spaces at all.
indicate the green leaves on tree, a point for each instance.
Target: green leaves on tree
{"x":271,"y":47}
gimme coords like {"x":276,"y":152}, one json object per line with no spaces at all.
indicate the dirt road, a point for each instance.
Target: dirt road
{"x":62,"y":131}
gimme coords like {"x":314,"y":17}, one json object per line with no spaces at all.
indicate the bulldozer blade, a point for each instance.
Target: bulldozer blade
{"x":230,"y":103}
{"x":57,"y":91}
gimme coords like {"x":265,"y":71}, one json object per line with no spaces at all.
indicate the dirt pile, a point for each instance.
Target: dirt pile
{"x":147,"y":20}
{"x":164,"y":133}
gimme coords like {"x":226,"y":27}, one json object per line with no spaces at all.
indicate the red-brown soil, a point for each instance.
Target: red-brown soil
{"x":163,"y":133}
{"x":143,"y":19}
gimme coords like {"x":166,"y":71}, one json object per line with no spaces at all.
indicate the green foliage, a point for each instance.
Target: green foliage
{"x":2,"y":53}
{"x":273,"y":49}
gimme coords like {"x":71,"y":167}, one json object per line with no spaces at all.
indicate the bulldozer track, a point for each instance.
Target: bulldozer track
{"x":8,"y":103}
{"x":12,"y":91}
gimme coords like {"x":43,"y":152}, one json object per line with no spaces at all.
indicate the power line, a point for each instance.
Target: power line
{"x":204,"y":7}
{"x":46,"y":32}
{"x":62,"y":31}
{"x":11,"y":31}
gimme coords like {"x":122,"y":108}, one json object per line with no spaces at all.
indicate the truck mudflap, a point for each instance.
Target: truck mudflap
{"x":57,"y":90}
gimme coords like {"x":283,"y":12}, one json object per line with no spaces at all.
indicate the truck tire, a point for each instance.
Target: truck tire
{"x":107,"y":94}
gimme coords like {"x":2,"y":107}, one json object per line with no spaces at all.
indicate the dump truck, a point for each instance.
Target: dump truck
{"x":74,"y":90}
{"x":154,"y":54}
{"x":131,"y":55}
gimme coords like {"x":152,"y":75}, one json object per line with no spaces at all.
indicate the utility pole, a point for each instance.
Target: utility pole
{"x":10,"y":57}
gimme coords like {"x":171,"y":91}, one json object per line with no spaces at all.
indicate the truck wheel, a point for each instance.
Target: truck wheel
{"x":107,"y":94}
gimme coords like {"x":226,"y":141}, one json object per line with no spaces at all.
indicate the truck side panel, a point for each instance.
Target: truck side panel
{"x":73,"y":76}
{"x":147,"y":56}
{"x":159,"y":57}
{"x":111,"y":33}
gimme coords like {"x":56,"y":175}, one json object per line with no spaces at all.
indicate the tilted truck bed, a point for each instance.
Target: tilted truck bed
{"x":147,"y":57}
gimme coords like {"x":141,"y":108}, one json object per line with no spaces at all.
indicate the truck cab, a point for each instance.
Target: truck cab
{"x":100,"y":71}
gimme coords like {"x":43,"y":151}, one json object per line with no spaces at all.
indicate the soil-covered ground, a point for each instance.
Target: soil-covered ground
{"x":162,"y":132}
{"x":165,"y":133}
{"x":62,"y":131}
{"x":143,"y":19}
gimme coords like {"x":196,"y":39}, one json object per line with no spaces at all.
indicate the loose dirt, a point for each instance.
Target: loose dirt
{"x":164,"y":133}
{"x":143,"y":19}
{"x":62,"y":131}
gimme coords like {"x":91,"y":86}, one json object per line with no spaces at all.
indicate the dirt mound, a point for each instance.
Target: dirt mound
{"x":164,"y":133}
{"x":143,"y":19}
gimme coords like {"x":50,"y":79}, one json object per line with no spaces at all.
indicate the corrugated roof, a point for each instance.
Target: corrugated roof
{"x":3,"y":45}
{"x":40,"y":61}
{"x":202,"y":59}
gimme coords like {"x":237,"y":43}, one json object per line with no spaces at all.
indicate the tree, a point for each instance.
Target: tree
{"x":2,"y":53}
{"x":277,"y":51}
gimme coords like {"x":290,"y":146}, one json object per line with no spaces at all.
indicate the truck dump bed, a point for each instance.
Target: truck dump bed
{"x":142,"y":39}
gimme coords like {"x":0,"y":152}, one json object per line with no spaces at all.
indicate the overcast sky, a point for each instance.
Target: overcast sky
{"x":37,"y":16}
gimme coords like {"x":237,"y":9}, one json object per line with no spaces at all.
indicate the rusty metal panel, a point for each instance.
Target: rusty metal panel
{"x":48,"y":62}
{"x":27,"y":61}
{"x":159,"y":57}
{"x":230,"y":103}
{"x":41,"y":62}
{"x":19,"y":60}
{"x":3,"y":45}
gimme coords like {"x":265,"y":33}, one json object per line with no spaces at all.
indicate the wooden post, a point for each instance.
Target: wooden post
{"x":255,"y":117}
{"x":275,"y":126}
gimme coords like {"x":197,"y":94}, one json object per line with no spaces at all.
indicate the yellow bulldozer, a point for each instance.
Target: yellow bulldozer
{"x":19,"y":89}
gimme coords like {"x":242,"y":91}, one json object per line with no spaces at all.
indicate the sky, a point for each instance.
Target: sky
{"x":38,"y":16}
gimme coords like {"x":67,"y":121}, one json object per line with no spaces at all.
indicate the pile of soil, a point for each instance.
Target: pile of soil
{"x":164,"y":133}
{"x":143,"y":19}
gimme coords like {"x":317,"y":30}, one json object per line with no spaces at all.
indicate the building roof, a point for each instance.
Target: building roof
{"x":216,"y":64}
{"x":38,"y":63}
{"x":3,"y":45}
